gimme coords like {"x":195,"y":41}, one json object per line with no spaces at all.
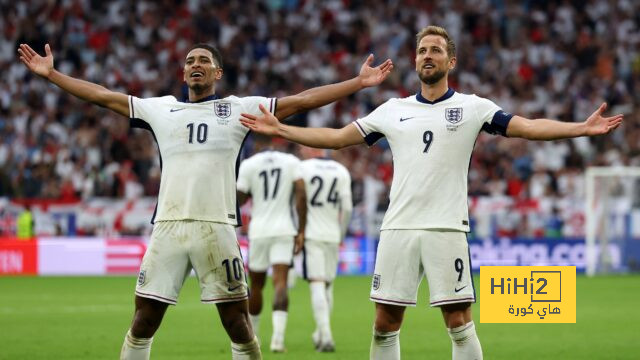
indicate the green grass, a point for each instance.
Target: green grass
{"x":87,"y":317}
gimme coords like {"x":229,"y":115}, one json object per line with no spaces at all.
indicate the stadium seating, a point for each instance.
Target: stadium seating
{"x":536,"y":59}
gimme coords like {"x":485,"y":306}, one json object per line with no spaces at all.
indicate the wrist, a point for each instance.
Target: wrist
{"x":282,"y":131}
{"x":50,"y":75}
{"x":583,"y":129}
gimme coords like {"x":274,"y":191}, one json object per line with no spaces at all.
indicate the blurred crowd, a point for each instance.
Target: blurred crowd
{"x":555,"y":59}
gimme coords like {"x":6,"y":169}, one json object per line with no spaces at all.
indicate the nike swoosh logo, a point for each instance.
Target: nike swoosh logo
{"x":174,"y":110}
{"x":233,"y":288}
{"x":458,"y":290}
{"x":405,"y":119}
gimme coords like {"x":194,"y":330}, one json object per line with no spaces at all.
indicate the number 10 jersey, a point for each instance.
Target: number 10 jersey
{"x":199,"y":144}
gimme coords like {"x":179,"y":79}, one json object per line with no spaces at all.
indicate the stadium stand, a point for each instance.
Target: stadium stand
{"x":557,"y":59}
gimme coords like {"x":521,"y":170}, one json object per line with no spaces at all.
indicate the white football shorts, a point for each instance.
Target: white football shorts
{"x":405,"y":256}
{"x":320,"y":260}
{"x":267,"y":251}
{"x":210,"y":249}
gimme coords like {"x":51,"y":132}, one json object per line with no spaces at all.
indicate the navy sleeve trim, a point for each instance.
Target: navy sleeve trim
{"x":363,"y":133}
{"x":274,"y":105}
{"x":499,"y":123}
{"x":373,"y":137}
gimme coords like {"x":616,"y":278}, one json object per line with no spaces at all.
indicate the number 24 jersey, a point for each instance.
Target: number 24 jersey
{"x":328,"y":187}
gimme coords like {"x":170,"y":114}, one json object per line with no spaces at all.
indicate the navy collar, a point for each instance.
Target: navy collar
{"x":444,"y":97}
{"x":208,"y":98}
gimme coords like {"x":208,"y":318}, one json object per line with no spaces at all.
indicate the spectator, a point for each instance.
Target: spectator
{"x":25,"y":224}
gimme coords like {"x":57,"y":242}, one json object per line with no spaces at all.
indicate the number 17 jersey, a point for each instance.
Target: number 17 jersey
{"x":269,"y":177}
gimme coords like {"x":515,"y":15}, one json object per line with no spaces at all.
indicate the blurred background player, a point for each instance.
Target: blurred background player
{"x":269,"y":178}
{"x":329,"y":206}
{"x":199,"y":142}
{"x":431,"y":135}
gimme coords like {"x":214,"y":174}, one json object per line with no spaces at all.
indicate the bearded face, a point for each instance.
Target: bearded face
{"x":432,"y":61}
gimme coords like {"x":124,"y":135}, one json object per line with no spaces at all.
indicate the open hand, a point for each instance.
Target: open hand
{"x":597,"y":124}
{"x":266,"y":124}
{"x":372,"y":76}
{"x":42,"y":66}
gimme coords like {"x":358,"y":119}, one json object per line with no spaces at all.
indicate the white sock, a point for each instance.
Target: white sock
{"x":279,"y":319}
{"x":385,"y":345}
{"x":248,"y":351}
{"x":135,"y":348}
{"x":321,"y":309}
{"x":255,"y":323}
{"x":329,"y":290}
{"x":466,"y":345}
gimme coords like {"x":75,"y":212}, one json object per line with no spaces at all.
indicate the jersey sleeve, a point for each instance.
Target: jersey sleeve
{"x":244,"y":177}
{"x":142,"y":111}
{"x":251,"y":103}
{"x":494,"y":120}
{"x":371,"y":127}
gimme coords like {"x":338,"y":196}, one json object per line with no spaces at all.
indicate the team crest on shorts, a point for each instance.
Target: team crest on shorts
{"x":142,"y":276}
{"x":453,"y":115}
{"x":222,"y":109}
{"x":376,"y":282}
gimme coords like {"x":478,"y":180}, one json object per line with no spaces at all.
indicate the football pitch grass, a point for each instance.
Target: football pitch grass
{"x":87,"y":318}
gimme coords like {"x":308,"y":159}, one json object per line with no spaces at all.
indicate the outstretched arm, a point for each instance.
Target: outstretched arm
{"x":323,"y":95}
{"x":324,"y":138}
{"x":84,"y":90}
{"x":545,"y":129}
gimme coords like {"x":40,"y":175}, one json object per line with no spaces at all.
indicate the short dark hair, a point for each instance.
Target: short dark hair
{"x":212,"y":49}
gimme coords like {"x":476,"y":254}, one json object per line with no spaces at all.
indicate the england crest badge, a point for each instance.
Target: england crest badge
{"x":376,"y":282}
{"x":453,"y":115}
{"x":222,"y":109}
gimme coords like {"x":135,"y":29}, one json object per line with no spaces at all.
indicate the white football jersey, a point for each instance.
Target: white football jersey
{"x":269,"y":176}
{"x":328,"y":187}
{"x":431,"y":143}
{"x":199,"y":144}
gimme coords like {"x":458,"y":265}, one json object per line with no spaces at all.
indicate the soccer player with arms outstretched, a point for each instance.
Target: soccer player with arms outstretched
{"x":431,"y":135}
{"x":199,"y":143}
{"x":270,"y":178}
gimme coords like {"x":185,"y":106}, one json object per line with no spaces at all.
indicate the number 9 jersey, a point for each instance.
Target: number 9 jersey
{"x":431,"y":143}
